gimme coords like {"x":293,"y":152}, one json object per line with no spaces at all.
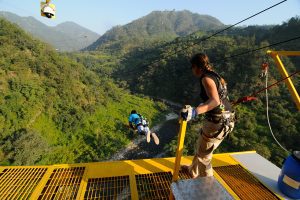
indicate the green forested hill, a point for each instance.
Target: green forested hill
{"x":171,"y":78}
{"x":54,"y":110}
{"x":67,"y":36}
{"x":157,"y":26}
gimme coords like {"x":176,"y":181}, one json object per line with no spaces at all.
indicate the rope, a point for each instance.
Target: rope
{"x":267,"y":110}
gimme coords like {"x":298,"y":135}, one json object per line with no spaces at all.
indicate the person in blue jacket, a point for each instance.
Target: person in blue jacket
{"x":139,"y":123}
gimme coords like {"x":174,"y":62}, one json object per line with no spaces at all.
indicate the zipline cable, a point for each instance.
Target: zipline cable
{"x":218,"y":32}
{"x":236,"y":55}
{"x":258,"y":49}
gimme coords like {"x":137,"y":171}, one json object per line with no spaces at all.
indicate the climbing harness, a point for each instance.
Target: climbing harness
{"x":226,"y":118}
{"x":221,"y":115}
{"x":142,"y":121}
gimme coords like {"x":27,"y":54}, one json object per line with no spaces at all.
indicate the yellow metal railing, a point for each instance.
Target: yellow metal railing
{"x":275,"y":55}
{"x":179,"y":149}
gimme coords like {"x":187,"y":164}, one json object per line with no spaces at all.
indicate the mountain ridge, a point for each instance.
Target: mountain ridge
{"x":67,"y":36}
{"x":156,"y":26}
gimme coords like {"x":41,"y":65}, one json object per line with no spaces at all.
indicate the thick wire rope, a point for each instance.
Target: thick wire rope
{"x":268,"y":119}
{"x":258,"y":49}
{"x":212,"y":35}
{"x":234,"y":56}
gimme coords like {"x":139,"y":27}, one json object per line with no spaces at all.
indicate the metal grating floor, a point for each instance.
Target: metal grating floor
{"x":184,"y":175}
{"x":244,"y":184}
{"x":117,"y":187}
{"x":63,"y":183}
{"x":86,"y":181}
{"x":19,"y":183}
{"x":156,"y":185}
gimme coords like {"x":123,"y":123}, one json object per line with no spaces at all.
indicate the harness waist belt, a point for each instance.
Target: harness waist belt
{"x":218,"y":118}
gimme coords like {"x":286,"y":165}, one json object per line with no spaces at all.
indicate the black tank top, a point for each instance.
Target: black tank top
{"x":222,"y":91}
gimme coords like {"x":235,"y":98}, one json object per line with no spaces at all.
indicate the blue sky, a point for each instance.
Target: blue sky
{"x":100,"y":15}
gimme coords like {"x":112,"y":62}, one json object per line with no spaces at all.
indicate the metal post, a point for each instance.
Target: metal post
{"x":179,"y":151}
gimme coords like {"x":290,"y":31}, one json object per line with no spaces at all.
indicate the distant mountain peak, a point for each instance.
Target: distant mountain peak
{"x":163,"y":25}
{"x":68,"y":23}
{"x":67,"y":36}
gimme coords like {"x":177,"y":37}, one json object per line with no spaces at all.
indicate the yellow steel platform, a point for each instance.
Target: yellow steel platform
{"x":135,"y":179}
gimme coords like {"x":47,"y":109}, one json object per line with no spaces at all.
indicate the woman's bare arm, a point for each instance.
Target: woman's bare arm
{"x":213,"y":96}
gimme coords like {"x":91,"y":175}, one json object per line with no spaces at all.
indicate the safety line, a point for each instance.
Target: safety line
{"x":267,"y":110}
